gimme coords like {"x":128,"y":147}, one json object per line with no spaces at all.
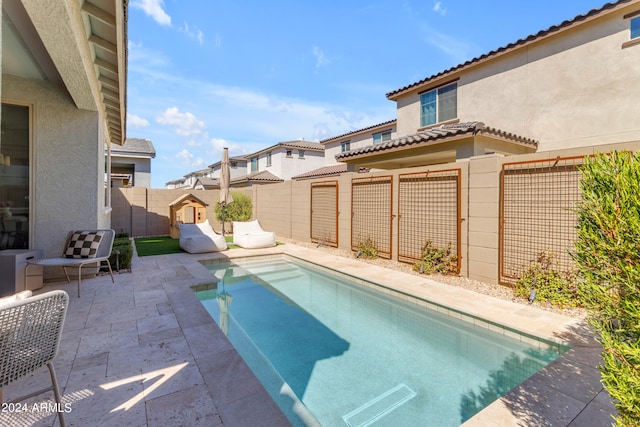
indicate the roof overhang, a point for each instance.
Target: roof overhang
{"x":81,"y":46}
{"x":442,"y":144}
{"x":552,"y":31}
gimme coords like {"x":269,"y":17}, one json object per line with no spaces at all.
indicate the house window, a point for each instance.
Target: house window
{"x":635,"y":28}
{"x":345,"y":146}
{"x":439,"y":105}
{"x":301,"y":154}
{"x":289,"y":153}
{"x":233,"y":164}
{"x":254,"y":164}
{"x":381,"y":137}
{"x":268,"y":159}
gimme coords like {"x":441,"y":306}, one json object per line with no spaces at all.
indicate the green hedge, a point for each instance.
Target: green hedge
{"x":122,"y":244}
{"x":608,"y":258}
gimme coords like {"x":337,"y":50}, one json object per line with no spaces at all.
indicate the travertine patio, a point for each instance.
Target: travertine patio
{"x":144,"y":352}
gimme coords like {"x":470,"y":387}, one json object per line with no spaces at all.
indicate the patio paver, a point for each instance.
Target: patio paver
{"x":144,"y":352}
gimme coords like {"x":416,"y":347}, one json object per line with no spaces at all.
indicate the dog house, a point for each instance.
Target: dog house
{"x":186,"y":209}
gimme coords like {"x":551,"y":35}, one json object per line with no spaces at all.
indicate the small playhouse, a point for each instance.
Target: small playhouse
{"x":186,"y":209}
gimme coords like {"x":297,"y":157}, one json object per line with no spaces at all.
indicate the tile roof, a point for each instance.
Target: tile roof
{"x":300,"y":144}
{"x":322,"y":172}
{"x":511,"y":46}
{"x":134,"y":146}
{"x":259,"y":176}
{"x":208,"y":182}
{"x":231,"y":159}
{"x":383,"y":124}
{"x":436,"y":135}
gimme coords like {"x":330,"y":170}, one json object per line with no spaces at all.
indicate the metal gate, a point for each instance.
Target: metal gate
{"x":537,"y":214}
{"x":371,"y":213}
{"x":324,"y":213}
{"x":429,"y":210}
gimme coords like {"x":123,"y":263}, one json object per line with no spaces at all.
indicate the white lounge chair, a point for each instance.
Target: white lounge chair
{"x":83,"y":247}
{"x":30,"y":332}
{"x":250,"y":235}
{"x":200,"y":238}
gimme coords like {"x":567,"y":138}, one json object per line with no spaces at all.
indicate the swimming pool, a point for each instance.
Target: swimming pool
{"x":333,"y":352}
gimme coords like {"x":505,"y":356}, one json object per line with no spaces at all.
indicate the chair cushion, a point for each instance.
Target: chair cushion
{"x":84,"y":244}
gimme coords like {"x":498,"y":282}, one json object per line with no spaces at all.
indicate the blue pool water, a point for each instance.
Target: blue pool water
{"x":335,"y":353}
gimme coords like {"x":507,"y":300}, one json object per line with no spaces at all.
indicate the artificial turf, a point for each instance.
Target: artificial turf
{"x":157,"y":245}
{"x":162,"y":245}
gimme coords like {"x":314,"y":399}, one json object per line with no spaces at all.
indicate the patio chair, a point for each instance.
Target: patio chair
{"x":30,"y":332}
{"x":200,"y":238}
{"x":250,"y":235}
{"x":83,"y":247}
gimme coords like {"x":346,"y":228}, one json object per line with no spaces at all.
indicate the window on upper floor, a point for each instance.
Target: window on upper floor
{"x":439,"y":105}
{"x":233,"y":164}
{"x":635,"y":27}
{"x":381,"y":137}
{"x":269,"y":159}
{"x":254,"y":164}
{"x":345,"y":146}
{"x":289,"y":153}
{"x":301,"y":154}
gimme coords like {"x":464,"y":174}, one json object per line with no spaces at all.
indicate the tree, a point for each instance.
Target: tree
{"x":607,"y":254}
{"x":240,"y":209}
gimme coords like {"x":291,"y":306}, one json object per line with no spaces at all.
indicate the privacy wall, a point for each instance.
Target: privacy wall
{"x":497,"y":213}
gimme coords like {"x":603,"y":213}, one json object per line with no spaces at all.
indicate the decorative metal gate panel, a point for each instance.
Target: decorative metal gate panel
{"x":324,"y":213}
{"x":537,"y":210}
{"x":429,"y":210}
{"x":371,"y":213}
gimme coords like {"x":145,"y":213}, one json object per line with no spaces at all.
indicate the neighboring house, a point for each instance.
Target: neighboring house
{"x":190,"y":179}
{"x":286,"y":159}
{"x":237,"y":167}
{"x":131,"y":163}
{"x":277,"y":163}
{"x":372,"y":135}
{"x":63,"y":93}
{"x":176,"y":183}
{"x":572,"y":85}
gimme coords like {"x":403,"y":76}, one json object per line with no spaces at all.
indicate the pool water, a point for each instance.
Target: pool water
{"x":335,"y":353}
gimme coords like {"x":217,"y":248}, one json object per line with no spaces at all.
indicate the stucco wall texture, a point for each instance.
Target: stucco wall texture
{"x":68,"y":163}
{"x":572,"y":89}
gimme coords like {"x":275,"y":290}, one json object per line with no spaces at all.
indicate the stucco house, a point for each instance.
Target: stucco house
{"x":571,"y":85}
{"x":286,"y":159}
{"x":63,"y":94}
{"x":131,"y":163}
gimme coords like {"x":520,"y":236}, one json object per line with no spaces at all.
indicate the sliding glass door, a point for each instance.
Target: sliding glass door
{"x":14,"y":177}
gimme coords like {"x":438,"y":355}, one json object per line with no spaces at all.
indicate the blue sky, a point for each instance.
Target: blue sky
{"x":208,"y":74}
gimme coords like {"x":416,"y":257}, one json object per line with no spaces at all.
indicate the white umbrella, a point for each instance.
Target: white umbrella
{"x":225,"y":177}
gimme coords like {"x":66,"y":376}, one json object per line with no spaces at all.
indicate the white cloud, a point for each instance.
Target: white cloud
{"x":185,"y":124}
{"x":136,"y":122}
{"x":190,"y":160}
{"x":194,"y":33}
{"x":438,"y":8}
{"x":321,"y":59}
{"x":154,"y":9}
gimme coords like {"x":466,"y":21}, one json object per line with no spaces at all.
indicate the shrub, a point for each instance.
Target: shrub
{"x":557,"y":287}
{"x":122,"y":260}
{"x":367,"y":248}
{"x":435,"y":259}
{"x":240,"y":209}
{"x":607,"y":253}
